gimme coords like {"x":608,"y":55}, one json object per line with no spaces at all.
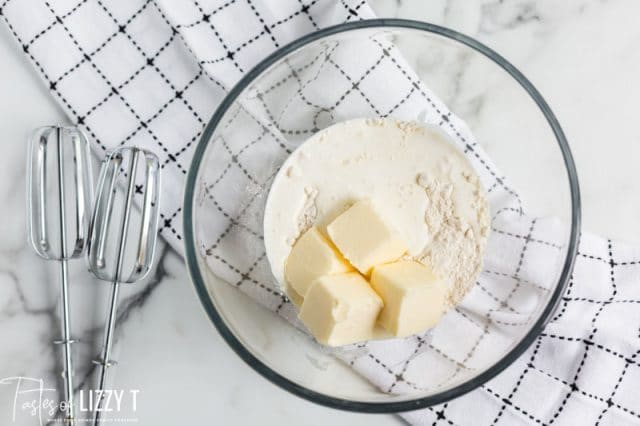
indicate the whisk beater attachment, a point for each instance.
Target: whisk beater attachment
{"x":59,"y":193}
{"x":123,"y":239}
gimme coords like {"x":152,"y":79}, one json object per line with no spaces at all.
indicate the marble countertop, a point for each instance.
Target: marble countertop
{"x":582,"y":56}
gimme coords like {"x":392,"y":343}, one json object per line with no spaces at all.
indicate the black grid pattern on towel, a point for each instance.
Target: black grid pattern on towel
{"x":135,"y":80}
{"x":161,"y":78}
{"x":584,"y":366}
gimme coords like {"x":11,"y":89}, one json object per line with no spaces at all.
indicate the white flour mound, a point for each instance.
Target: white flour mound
{"x":416,"y":178}
{"x":457,"y":246}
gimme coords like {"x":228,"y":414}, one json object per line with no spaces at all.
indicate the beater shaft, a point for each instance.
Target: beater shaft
{"x":64,"y":281}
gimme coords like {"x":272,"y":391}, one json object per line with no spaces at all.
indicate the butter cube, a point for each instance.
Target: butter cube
{"x":293,"y":295}
{"x":413,"y":297}
{"x":364,"y":238}
{"x":312,"y":256}
{"x":340,"y":309}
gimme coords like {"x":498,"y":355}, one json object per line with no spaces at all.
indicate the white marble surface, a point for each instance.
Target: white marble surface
{"x":581,"y":54}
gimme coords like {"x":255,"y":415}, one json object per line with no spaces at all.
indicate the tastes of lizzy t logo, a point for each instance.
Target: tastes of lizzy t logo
{"x":31,"y":399}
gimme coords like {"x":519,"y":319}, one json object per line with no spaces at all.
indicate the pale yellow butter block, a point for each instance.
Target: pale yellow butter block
{"x":363,"y":237}
{"x":413,"y":297}
{"x":293,"y":295}
{"x":312,"y":256}
{"x":341,"y":309}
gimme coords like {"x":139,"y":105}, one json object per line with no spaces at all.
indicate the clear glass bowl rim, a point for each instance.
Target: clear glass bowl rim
{"x":360,"y":406}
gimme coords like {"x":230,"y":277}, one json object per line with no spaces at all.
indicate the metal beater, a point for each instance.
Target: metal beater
{"x":111,"y":258}
{"x":59,"y":170}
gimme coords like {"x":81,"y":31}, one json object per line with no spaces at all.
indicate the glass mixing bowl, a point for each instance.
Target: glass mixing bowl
{"x":399,"y":69}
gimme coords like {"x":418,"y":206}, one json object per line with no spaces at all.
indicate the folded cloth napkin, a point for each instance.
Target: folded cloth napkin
{"x":151,"y":72}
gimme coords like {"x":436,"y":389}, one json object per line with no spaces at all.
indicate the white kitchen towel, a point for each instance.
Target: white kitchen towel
{"x":150,"y":73}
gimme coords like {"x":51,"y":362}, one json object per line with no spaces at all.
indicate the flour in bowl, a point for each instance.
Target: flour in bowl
{"x":413,"y":174}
